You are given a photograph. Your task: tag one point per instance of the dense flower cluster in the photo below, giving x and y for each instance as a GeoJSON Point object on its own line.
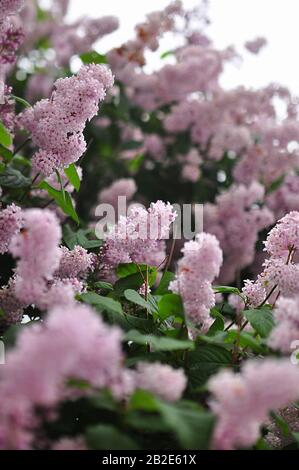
{"type": "Point", "coordinates": [110, 333]}
{"type": "Point", "coordinates": [139, 237]}
{"type": "Point", "coordinates": [236, 220]}
{"type": "Point", "coordinates": [56, 125]}
{"type": "Point", "coordinates": [38, 253]}
{"type": "Point", "coordinates": [72, 344]}
{"type": "Point", "coordinates": [10, 224]}
{"type": "Point", "coordinates": [125, 187]}
{"type": "Point", "coordinates": [161, 379]}
{"type": "Point", "coordinates": [11, 36]}
{"type": "Point", "coordinates": [197, 269]}
{"type": "Point", "coordinates": [286, 331]}
{"type": "Point", "coordinates": [243, 401]}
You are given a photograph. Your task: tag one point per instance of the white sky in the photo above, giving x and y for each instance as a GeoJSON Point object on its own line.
{"type": "Point", "coordinates": [232, 22]}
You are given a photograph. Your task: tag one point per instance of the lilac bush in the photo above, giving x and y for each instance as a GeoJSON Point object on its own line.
{"type": "Point", "coordinates": [119, 333]}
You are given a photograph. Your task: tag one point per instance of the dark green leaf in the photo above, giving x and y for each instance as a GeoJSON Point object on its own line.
{"type": "Point", "coordinates": [261, 320]}
{"type": "Point", "coordinates": [106, 437]}
{"type": "Point", "coordinates": [73, 177]}
{"type": "Point", "coordinates": [166, 278]}
{"type": "Point", "coordinates": [102, 302]}
{"type": "Point", "coordinates": [62, 199]}
{"type": "Point", "coordinates": [192, 427]}
{"type": "Point", "coordinates": [205, 361]}
{"type": "Point", "coordinates": [21, 101]}
{"type": "Point", "coordinates": [281, 423]}
{"type": "Point", "coordinates": [226, 290]}
{"type": "Point", "coordinates": [12, 178]}
{"type": "Point", "coordinates": [103, 285]}
{"type": "Point", "coordinates": [170, 305]}
{"type": "Point", "coordinates": [72, 238]}
{"type": "Point", "coordinates": [158, 343]}
{"type": "Point", "coordinates": [93, 57]}
{"type": "Point", "coordinates": [5, 154]}
{"type": "Point", "coordinates": [5, 136]}
{"type": "Point", "coordinates": [136, 298]}
{"type": "Point", "coordinates": [143, 400]}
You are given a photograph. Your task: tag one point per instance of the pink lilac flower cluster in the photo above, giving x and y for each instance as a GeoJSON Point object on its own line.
{"type": "Point", "coordinates": [73, 343]}
{"type": "Point", "coordinates": [244, 124]}
{"type": "Point", "coordinates": [242, 401]}
{"type": "Point", "coordinates": [280, 274]}
{"type": "Point", "coordinates": [10, 7]}
{"type": "Point", "coordinates": [78, 38]}
{"type": "Point", "coordinates": [285, 198]}
{"type": "Point", "coordinates": [125, 59]}
{"type": "Point", "coordinates": [74, 263]}
{"type": "Point", "coordinates": [236, 220]}
{"type": "Point", "coordinates": [56, 124]}
{"type": "Point", "coordinates": [286, 330]}
{"type": "Point", "coordinates": [139, 238]}
{"type": "Point", "coordinates": [191, 165]}
{"type": "Point", "coordinates": [11, 307]}
{"type": "Point", "coordinates": [161, 379]}
{"type": "Point", "coordinates": [10, 40]}
{"type": "Point", "coordinates": [11, 220]}
{"type": "Point", "coordinates": [11, 37]}
{"type": "Point", "coordinates": [125, 187]}
{"type": "Point", "coordinates": [38, 253]}
{"type": "Point", "coordinates": [197, 269]}
{"type": "Point", "coordinates": [7, 109]}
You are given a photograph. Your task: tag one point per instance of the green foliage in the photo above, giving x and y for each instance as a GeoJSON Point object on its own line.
{"type": "Point", "coordinates": [261, 320]}
{"type": "Point", "coordinates": [62, 199]}
{"type": "Point", "coordinates": [5, 136]}
{"type": "Point", "coordinates": [73, 177]}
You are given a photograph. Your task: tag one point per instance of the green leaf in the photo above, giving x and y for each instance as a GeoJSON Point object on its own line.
{"type": "Point", "coordinates": [128, 322]}
{"type": "Point", "coordinates": [71, 238]}
{"type": "Point", "coordinates": [159, 343]}
{"type": "Point", "coordinates": [275, 184]}
{"type": "Point", "coordinates": [93, 57]}
{"type": "Point", "coordinates": [281, 423]}
{"type": "Point", "coordinates": [143, 400]}
{"type": "Point", "coordinates": [72, 175]}
{"type": "Point", "coordinates": [12, 178]}
{"type": "Point", "coordinates": [246, 340]}
{"type": "Point", "coordinates": [261, 320]}
{"type": "Point", "coordinates": [5, 154]}
{"type": "Point", "coordinates": [217, 326]}
{"type": "Point", "coordinates": [136, 298]}
{"type": "Point", "coordinates": [21, 101]}
{"type": "Point", "coordinates": [62, 199]}
{"type": "Point", "coordinates": [166, 54]}
{"type": "Point", "coordinates": [102, 302]}
{"type": "Point", "coordinates": [131, 145]}
{"type": "Point", "coordinates": [5, 136]}
{"type": "Point", "coordinates": [166, 278]}
{"type": "Point", "coordinates": [226, 290]}
{"type": "Point", "coordinates": [296, 436]}
{"type": "Point", "coordinates": [103, 285]}
{"type": "Point", "coordinates": [170, 305]}
{"type": "Point", "coordinates": [106, 437]}
{"type": "Point", "coordinates": [132, 276]}
{"type": "Point", "coordinates": [205, 361]}
{"type": "Point", "coordinates": [192, 427]}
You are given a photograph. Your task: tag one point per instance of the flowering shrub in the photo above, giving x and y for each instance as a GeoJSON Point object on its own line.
{"type": "Point", "coordinates": [123, 335]}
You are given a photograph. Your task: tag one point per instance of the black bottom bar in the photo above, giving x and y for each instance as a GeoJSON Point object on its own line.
{"type": "Point", "coordinates": [138, 459]}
